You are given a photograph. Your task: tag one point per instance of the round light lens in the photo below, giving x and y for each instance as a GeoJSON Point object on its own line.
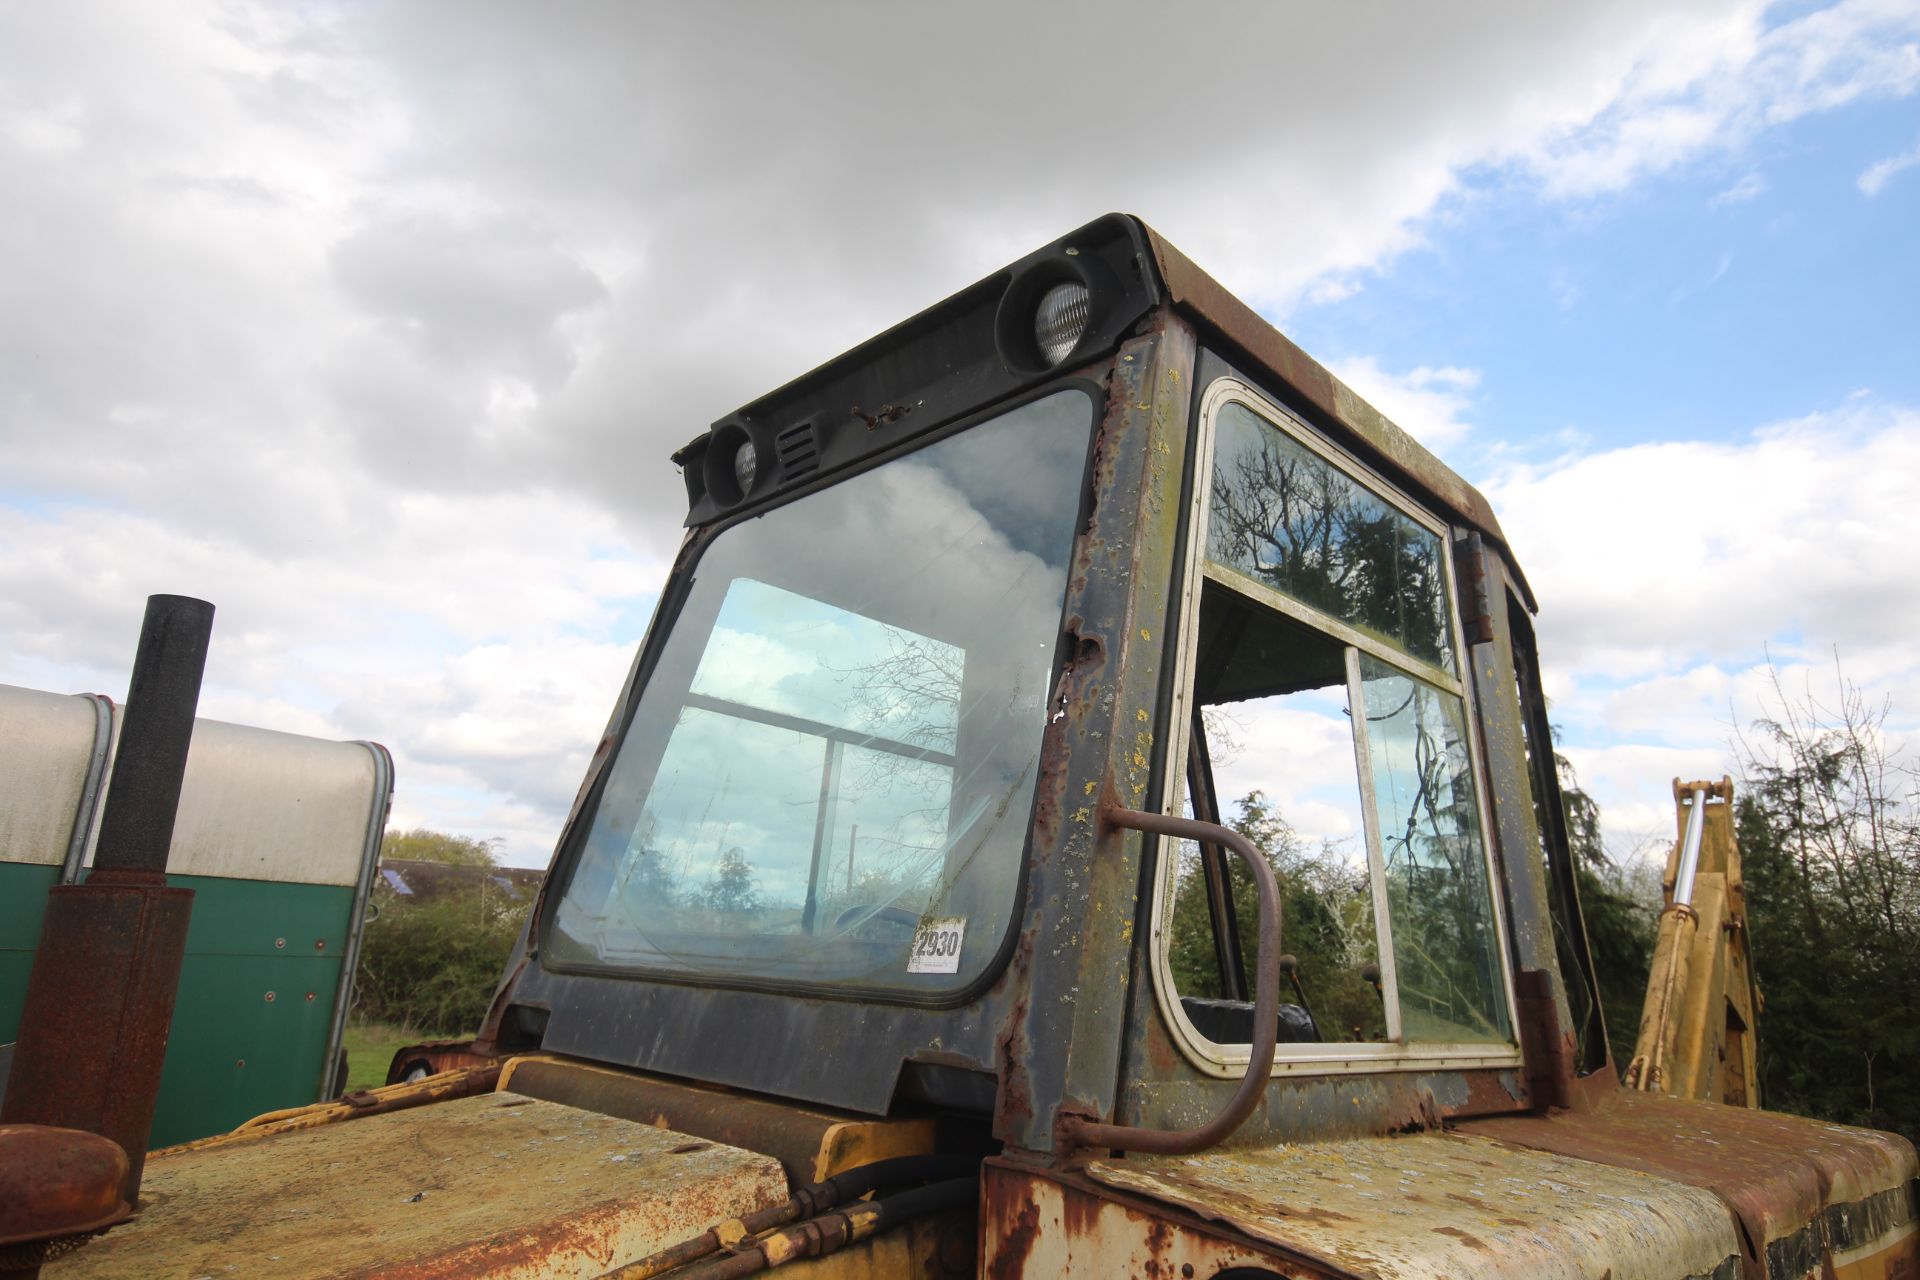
{"type": "Point", "coordinates": [1060, 320]}
{"type": "Point", "coordinates": [746, 465]}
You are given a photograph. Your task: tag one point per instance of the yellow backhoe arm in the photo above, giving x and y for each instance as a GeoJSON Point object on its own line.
{"type": "Point", "coordinates": [1698, 1025]}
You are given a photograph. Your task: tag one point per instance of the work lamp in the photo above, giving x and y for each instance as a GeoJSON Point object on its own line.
{"type": "Point", "coordinates": [1061, 319]}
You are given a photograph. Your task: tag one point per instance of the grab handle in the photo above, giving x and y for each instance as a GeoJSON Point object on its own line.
{"type": "Point", "coordinates": [1080, 1131]}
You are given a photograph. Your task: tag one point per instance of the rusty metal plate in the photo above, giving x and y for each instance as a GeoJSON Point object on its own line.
{"type": "Point", "coordinates": [492, 1186]}
{"type": "Point", "coordinates": [1800, 1187]}
{"type": "Point", "coordinates": [1439, 1205]}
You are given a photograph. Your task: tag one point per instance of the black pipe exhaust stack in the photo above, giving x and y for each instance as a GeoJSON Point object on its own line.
{"type": "Point", "coordinates": [99, 1004]}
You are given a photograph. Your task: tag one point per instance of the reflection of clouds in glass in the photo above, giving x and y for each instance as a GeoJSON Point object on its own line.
{"type": "Point", "coordinates": [921, 555]}
{"type": "Point", "coordinates": [850, 703]}
{"type": "Point", "coordinates": [724, 783]}
{"type": "Point", "coordinates": [727, 783]}
{"type": "Point", "coordinates": [779, 651]}
{"type": "Point", "coordinates": [1023, 503]}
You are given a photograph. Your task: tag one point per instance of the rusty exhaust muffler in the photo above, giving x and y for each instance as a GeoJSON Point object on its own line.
{"type": "Point", "coordinates": [99, 1003]}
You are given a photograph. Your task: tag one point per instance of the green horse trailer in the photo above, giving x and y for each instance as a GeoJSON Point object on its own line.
{"type": "Point", "coordinates": [277, 834]}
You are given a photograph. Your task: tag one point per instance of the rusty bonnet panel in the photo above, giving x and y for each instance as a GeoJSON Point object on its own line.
{"type": "Point", "coordinates": [1044, 1222]}
{"type": "Point", "coordinates": [497, 1186]}
{"type": "Point", "coordinates": [1800, 1188]}
{"type": "Point", "coordinates": [1442, 1205]}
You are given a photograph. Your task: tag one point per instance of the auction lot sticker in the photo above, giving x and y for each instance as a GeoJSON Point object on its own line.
{"type": "Point", "coordinates": [936, 945]}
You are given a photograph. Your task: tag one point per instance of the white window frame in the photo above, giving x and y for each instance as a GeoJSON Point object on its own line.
{"type": "Point", "coordinates": [1229, 1061]}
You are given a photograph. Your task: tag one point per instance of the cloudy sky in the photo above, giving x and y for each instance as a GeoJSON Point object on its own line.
{"type": "Point", "coordinates": [375, 325]}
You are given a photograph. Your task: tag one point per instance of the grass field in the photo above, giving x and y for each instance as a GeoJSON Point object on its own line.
{"type": "Point", "coordinates": [371, 1046]}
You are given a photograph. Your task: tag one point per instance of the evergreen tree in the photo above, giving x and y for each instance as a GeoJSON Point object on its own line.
{"type": "Point", "coordinates": [1621, 924]}
{"type": "Point", "coordinates": [1830, 845]}
{"type": "Point", "coordinates": [733, 886]}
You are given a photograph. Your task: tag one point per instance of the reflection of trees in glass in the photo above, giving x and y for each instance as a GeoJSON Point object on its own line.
{"type": "Point", "coordinates": [1326, 909]}
{"type": "Point", "coordinates": [1438, 897]}
{"type": "Point", "coordinates": [649, 884]}
{"type": "Point", "coordinates": [910, 695]}
{"type": "Point", "coordinates": [733, 885]}
{"type": "Point", "coordinates": [1291, 520]}
{"type": "Point", "coordinates": [912, 692]}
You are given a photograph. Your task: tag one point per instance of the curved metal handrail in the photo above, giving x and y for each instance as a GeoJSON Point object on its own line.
{"type": "Point", "coordinates": [1081, 1131]}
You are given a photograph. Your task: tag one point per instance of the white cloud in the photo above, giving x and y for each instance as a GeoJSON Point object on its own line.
{"type": "Point", "coordinates": [1670, 575]}
{"type": "Point", "coordinates": [1655, 552]}
{"type": "Point", "coordinates": [1712, 82]}
{"type": "Point", "coordinates": [1428, 403]}
{"type": "Point", "coordinates": [482, 640]}
{"type": "Point", "coordinates": [1332, 289]}
{"type": "Point", "coordinates": [1877, 174]}
{"type": "Point", "coordinates": [376, 325]}
{"type": "Point", "coordinates": [1750, 186]}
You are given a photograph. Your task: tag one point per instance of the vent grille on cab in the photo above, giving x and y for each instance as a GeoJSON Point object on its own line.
{"type": "Point", "coordinates": [799, 450]}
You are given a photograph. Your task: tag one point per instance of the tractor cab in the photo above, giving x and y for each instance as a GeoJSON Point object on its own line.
{"type": "Point", "coordinates": [1087, 542]}
{"type": "Point", "coordinates": [1081, 740]}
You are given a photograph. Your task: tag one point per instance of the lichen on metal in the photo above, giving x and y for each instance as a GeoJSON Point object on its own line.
{"type": "Point", "coordinates": [1438, 1205]}
{"type": "Point", "coordinates": [492, 1186]}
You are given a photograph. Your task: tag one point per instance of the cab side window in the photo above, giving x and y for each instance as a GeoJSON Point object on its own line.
{"type": "Point", "coordinates": [1329, 722]}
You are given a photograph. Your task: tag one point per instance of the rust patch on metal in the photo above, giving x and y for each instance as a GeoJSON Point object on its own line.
{"type": "Point", "coordinates": [1046, 1222]}
{"type": "Point", "coordinates": [438, 1056]}
{"type": "Point", "coordinates": [1547, 1053]}
{"type": "Point", "coordinates": [886, 415]}
{"type": "Point", "coordinates": [55, 1184]}
{"type": "Point", "coordinates": [99, 1002]}
{"type": "Point", "coordinates": [1777, 1173]}
{"type": "Point", "coordinates": [1464, 1237]}
{"type": "Point", "coordinates": [1011, 1219]}
{"type": "Point", "coordinates": [1013, 1101]}
{"type": "Point", "coordinates": [1488, 1092]}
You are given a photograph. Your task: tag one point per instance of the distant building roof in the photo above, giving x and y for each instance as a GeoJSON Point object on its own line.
{"type": "Point", "coordinates": [424, 881]}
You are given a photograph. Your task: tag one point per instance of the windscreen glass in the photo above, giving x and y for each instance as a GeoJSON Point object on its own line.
{"type": "Point", "coordinates": [830, 773]}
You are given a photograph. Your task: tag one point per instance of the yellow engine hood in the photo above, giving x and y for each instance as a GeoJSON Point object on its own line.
{"type": "Point", "coordinates": [496, 1185]}
{"type": "Point", "coordinates": [1635, 1188]}
{"type": "Point", "coordinates": [1439, 1206]}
